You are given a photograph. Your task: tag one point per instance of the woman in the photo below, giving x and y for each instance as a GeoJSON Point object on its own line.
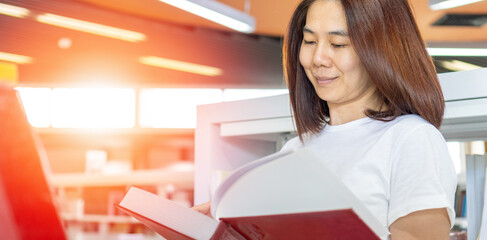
{"type": "Point", "coordinates": [366, 98]}
{"type": "Point", "coordinates": [366, 95]}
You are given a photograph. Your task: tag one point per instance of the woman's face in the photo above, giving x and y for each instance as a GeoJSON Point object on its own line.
{"type": "Point", "coordinates": [329, 60]}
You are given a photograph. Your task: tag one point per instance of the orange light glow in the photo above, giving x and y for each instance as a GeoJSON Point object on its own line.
{"type": "Point", "coordinates": [93, 108]}
{"type": "Point", "coordinates": [37, 105]}
{"type": "Point", "coordinates": [174, 108]}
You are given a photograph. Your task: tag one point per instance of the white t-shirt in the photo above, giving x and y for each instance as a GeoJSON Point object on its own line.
{"type": "Point", "coordinates": [395, 168]}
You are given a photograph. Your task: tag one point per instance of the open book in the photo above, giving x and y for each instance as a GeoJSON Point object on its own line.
{"type": "Point", "coordinates": [282, 196]}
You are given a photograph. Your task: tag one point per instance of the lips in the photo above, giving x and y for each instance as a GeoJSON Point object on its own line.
{"type": "Point", "coordinates": [325, 80]}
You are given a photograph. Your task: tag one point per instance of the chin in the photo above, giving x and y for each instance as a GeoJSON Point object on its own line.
{"type": "Point", "coordinates": [322, 94]}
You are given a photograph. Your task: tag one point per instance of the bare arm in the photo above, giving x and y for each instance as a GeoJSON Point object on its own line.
{"type": "Point", "coordinates": [425, 224]}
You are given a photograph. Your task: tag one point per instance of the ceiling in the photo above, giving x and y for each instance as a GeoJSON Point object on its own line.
{"type": "Point", "coordinates": [247, 60]}
{"type": "Point", "coordinates": [272, 16]}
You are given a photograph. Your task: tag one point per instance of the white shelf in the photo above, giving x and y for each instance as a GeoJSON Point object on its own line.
{"type": "Point", "coordinates": [263, 129]}
{"type": "Point", "coordinates": [181, 179]}
{"type": "Point", "coordinates": [98, 218]}
{"type": "Point", "coordinates": [115, 131]}
{"type": "Point", "coordinates": [74, 229]}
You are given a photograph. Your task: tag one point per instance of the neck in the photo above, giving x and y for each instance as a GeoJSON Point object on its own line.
{"type": "Point", "coordinates": [346, 112]}
{"type": "Point", "coordinates": [342, 116]}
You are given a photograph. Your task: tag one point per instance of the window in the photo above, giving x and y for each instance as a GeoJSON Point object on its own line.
{"type": "Point", "coordinates": [93, 108]}
{"type": "Point", "coordinates": [37, 105]}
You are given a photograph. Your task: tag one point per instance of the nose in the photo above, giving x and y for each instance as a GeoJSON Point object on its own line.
{"type": "Point", "coordinates": [322, 56]}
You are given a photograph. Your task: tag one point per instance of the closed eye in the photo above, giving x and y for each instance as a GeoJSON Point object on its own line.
{"type": "Point", "coordinates": [309, 42]}
{"type": "Point", "coordinates": [338, 45]}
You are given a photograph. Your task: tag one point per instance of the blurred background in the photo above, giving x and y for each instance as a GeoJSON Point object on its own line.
{"type": "Point", "coordinates": [112, 87]}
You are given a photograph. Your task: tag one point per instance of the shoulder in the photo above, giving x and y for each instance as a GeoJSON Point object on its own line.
{"type": "Point", "coordinates": [411, 122]}
{"type": "Point", "coordinates": [412, 130]}
{"type": "Point", "coordinates": [412, 126]}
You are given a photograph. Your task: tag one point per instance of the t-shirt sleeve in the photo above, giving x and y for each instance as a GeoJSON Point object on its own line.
{"type": "Point", "coordinates": [422, 174]}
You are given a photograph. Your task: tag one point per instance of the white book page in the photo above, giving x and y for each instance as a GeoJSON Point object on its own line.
{"type": "Point", "coordinates": [237, 174]}
{"type": "Point", "coordinates": [169, 213]}
{"type": "Point", "coordinates": [297, 182]}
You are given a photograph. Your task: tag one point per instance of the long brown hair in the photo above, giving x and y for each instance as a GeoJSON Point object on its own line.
{"type": "Point", "coordinates": [387, 40]}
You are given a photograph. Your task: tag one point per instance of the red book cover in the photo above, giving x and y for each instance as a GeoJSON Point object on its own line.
{"type": "Point", "coordinates": [334, 224]}
{"type": "Point", "coordinates": [177, 222]}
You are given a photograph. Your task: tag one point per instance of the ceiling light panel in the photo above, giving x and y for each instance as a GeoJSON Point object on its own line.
{"type": "Point", "coordinates": [467, 52]}
{"type": "Point", "coordinates": [89, 27]}
{"type": "Point", "coordinates": [181, 66]}
{"type": "Point", "coordinates": [446, 4]}
{"type": "Point", "coordinates": [456, 65]}
{"type": "Point", "coordinates": [13, 11]}
{"type": "Point", "coordinates": [217, 12]}
{"type": "Point", "coordinates": [10, 57]}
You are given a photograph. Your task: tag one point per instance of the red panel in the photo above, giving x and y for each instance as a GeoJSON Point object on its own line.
{"type": "Point", "coordinates": [26, 192]}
